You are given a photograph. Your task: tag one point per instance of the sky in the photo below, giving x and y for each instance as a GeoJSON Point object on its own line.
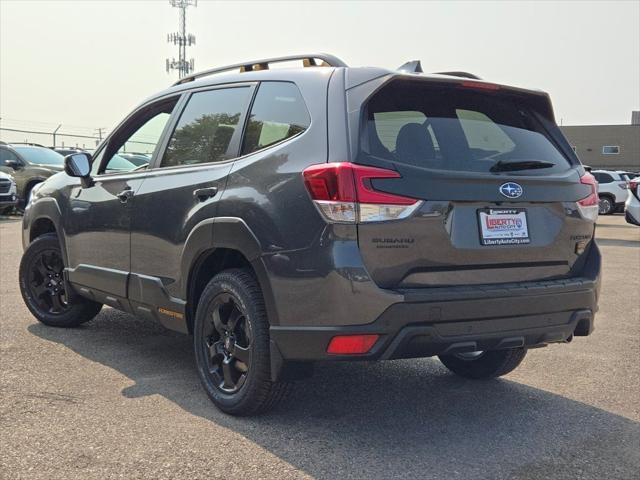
{"type": "Point", "coordinates": [86, 64]}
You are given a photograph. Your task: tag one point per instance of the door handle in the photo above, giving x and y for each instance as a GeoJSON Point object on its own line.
{"type": "Point", "coordinates": [203, 193]}
{"type": "Point", "coordinates": [125, 195]}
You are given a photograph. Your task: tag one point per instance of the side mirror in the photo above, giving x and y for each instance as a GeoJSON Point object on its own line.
{"type": "Point", "coordinates": [12, 163]}
{"type": "Point", "coordinates": [79, 165]}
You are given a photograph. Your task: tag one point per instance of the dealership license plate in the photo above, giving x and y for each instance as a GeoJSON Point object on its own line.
{"type": "Point", "coordinates": [503, 226]}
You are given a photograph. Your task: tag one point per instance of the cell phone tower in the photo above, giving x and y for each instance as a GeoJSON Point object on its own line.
{"type": "Point", "coordinates": [182, 40]}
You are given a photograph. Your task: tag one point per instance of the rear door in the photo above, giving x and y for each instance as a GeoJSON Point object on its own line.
{"type": "Point", "coordinates": [497, 185]}
{"type": "Point", "coordinates": [182, 190]}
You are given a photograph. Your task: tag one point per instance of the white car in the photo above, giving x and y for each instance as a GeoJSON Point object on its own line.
{"type": "Point", "coordinates": [612, 190]}
{"type": "Point", "coordinates": [8, 194]}
{"type": "Point", "coordinates": [632, 205]}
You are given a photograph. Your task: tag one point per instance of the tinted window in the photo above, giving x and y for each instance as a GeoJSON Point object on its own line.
{"type": "Point", "coordinates": [206, 127]}
{"type": "Point", "coordinates": [278, 113]}
{"type": "Point", "coordinates": [450, 128]}
{"type": "Point", "coordinates": [140, 136]}
{"type": "Point", "coordinates": [7, 155]}
{"type": "Point", "coordinates": [39, 155]}
{"type": "Point", "coordinates": [603, 177]}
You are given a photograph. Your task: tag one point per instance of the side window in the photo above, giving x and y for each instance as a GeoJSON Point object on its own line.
{"type": "Point", "coordinates": [207, 126]}
{"type": "Point", "coordinates": [278, 113]}
{"type": "Point", "coordinates": [132, 147]}
{"type": "Point", "coordinates": [6, 154]}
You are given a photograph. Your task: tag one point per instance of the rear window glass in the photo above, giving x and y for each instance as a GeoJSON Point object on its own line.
{"type": "Point", "coordinates": [603, 177]}
{"type": "Point", "coordinates": [450, 128]}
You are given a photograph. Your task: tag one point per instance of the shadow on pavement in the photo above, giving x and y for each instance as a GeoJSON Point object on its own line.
{"type": "Point", "coordinates": [408, 418]}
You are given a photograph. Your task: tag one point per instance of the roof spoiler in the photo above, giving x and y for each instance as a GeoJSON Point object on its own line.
{"type": "Point", "coordinates": [414, 66]}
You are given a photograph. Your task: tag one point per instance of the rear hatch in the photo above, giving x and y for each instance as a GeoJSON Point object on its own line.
{"type": "Point", "coordinates": [496, 182]}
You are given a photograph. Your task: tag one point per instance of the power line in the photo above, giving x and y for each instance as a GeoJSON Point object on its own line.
{"type": "Point", "coordinates": [182, 40]}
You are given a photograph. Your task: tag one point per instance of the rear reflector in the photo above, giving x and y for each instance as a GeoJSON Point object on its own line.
{"type": "Point", "coordinates": [343, 193]}
{"type": "Point", "coordinates": [351, 344]}
{"type": "Point", "coordinates": [588, 206]}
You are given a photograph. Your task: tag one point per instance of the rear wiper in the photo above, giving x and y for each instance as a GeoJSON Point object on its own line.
{"type": "Point", "coordinates": [506, 166]}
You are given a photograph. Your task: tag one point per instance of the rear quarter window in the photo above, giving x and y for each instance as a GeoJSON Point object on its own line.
{"type": "Point", "coordinates": [278, 113]}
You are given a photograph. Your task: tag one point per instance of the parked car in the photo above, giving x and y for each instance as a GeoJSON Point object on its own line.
{"type": "Point", "coordinates": [29, 165]}
{"type": "Point", "coordinates": [612, 190]}
{"type": "Point", "coordinates": [632, 205]}
{"type": "Point", "coordinates": [325, 213]}
{"type": "Point", "coordinates": [138, 159]}
{"type": "Point", "coordinates": [67, 151]}
{"type": "Point", "coordinates": [8, 195]}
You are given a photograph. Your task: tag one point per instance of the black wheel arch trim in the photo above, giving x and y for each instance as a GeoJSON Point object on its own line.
{"type": "Point", "coordinates": [232, 233]}
{"type": "Point", "coordinates": [46, 208]}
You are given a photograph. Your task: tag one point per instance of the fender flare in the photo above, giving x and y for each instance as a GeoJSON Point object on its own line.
{"type": "Point", "coordinates": [45, 208]}
{"type": "Point", "coordinates": [232, 233]}
{"type": "Point", "coordinates": [30, 183]}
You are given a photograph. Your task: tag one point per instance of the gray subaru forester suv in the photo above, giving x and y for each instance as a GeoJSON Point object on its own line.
{"type": "Point", "coordinates": [293, 215]}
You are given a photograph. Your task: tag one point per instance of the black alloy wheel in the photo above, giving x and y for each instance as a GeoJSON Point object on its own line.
{"type": "Point", "coordinates": [227, 341]}
{"type": "Point", "coordinates": [46, 282]}
{"type": "Point", "coordinates": [232, 346]}
{"type": "Point", "coordinates": [44, 289]}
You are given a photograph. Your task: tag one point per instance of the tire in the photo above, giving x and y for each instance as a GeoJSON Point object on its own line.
{"type": "Point", "coordinates": [490, 364]}
{"type": "Point", "coordinates": [231, 344]}
{"type": "Point", "coordinates": [43, 288]}
{"type": "Point", "coordinates": [606, 205]}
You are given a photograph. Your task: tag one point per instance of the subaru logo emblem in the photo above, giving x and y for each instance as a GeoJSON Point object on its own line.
{"type": "Point", "coordinates": [511, 190]}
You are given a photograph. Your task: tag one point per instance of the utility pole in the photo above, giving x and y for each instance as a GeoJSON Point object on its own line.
{"type": "Point", "coordinates": [54, 135]}
{"type": "Point", "coordinates": [99, 132]}
{"type": "Point", "coordinates": [182, 40]}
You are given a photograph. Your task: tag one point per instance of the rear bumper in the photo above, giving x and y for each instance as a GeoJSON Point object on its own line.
{"type": "Point", "coordinates": [460, 319]}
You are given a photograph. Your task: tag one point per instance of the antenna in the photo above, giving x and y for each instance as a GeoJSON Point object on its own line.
{"type": "Point", "coordinates": [182, 40]}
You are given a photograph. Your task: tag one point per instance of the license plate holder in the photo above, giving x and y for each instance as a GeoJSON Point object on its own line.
{"type": "Point", "coordinates": [503, 226]}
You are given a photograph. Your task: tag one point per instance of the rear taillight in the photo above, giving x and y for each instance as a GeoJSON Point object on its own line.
{"type": "Point", "coordinates": [633, 186]}
{"type": "Point", "coordinates": [588, 206]}
{"type": "Point", "coordinates": [343, 193]}
{"type": "Point", "coordinates": [623, 185]}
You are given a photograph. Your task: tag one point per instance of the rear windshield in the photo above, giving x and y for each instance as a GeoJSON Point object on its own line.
{"type": "Point", "coordinates": [453, 128]}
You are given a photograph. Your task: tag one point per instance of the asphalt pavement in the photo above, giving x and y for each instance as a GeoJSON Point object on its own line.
{"type": "Point", "coordinates": [120, 398]}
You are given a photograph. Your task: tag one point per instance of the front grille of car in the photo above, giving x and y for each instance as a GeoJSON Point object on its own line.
{"type": "Point", "coordinates": [5, 185]}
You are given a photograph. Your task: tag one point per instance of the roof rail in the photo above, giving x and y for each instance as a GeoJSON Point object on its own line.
{"type": "Point", "coordinates": [460, 74]}
{"type": "Point", "coordinates": [30, 144]}
{"type": "Point", "coordinates": [308, 60]}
